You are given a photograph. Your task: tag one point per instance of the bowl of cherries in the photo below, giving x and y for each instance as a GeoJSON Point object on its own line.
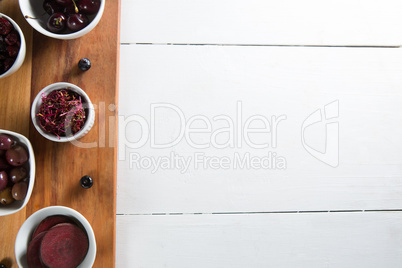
{"type": "Point", "coordinates": [12, 46]}
{"type": "Point", "coordinates": [62, 19]}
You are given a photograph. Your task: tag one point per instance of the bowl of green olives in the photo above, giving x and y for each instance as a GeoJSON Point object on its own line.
{"type": "Point", "coordinates": [17, 172]}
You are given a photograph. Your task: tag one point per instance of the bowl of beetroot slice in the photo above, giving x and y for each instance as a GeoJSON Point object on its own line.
{"type": "Point", "coordinates": [55, 236]}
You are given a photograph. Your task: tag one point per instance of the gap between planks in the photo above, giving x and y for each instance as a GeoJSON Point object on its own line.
{"type": "Point", "coordinates": [262, 212]}
{"type": "Point", "coordinates": [256, 45]}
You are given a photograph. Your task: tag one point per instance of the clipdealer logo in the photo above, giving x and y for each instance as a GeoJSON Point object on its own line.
{"type": "Point", "coordinates": [329, 118]}
{"type": "Point", "coordinates": [199, 132]}
{"type": "Point", "coordinates": [167, 128]}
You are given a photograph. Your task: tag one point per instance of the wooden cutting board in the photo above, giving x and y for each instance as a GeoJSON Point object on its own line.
{"type": "Point", "coordinates": [59, 166]}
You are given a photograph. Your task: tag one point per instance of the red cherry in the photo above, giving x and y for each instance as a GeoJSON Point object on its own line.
{"type": "Point", "coordinates": [51, 6]}
{"type": "Point", "coordinates": [57, 22]}
{"type": "Point", "coordinates": [64, 3]}
{"type": "Point", "coordinates": [77, 21]}
{"type": "Point", "coordinates": [89, 7]}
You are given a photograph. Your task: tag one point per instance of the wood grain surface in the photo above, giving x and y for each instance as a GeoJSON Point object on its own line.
{"type": "Point", "coordinates": [59, 166]}
{"type": "Point", "coordinates": [15, 116]}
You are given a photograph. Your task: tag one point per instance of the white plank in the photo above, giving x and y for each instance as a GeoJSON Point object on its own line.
{"type": "Point", "coordinates": [210, 80]}
{"type": "Point", "coordinates": [287, 22]}
{"type": "Point", "coordinates": [260, 240]}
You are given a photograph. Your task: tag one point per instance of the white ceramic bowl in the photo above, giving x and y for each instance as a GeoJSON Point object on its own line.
{"type": "Point", "coordinates": [21, 54]}
{"type": "Point", "coordinates": [28, 227]}
{"type": "Point", "coordinates": [18, 205]}
{"type": "Point", "coordinates": [36, 16]}
{"type": "Point", "coordinates": [85, 99]}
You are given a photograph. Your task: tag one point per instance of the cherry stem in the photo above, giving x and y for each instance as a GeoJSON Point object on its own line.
{"type": "Point", "coordinates": [58, 21]}
{"type": "Point", "coordinates": [75, 7]}
{"type": "Point", "coordinates": [29, 17]}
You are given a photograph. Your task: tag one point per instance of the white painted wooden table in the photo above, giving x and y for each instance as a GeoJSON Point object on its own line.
{"type": "Point", "coordinates": [260, 134]}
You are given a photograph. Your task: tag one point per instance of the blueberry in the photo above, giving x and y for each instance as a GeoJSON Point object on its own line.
{"type": "Point", "coordinates": [86, 182]}
{"type": "Point", "coordinates": [84, 64]}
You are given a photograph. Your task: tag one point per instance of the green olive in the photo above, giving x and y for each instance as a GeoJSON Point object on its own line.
{"type": "Point", "coordinates": [6, 196]}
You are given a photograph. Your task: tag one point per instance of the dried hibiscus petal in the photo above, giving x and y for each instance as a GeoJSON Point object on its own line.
{"type": "Point", "coordinates": [13, 51]}
{"type": "Point", "coordinates": [61, 112]}
{"type": "Point", "coordinates": [8, 62]}
{"type": "Point", "coordinates": [12, 38]}
{"type": "Point", "coordinates": [3, 47]}
{"type": "Point", "coordinates": [5, 26]}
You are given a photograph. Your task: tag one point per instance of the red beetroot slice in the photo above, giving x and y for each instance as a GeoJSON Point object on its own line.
{"type": "Point", "coordinates": [49, 222]}
{"type": "Point", "coordinates": [33, 254]}
{"type": "Point", "coordinates": [64, 246]}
